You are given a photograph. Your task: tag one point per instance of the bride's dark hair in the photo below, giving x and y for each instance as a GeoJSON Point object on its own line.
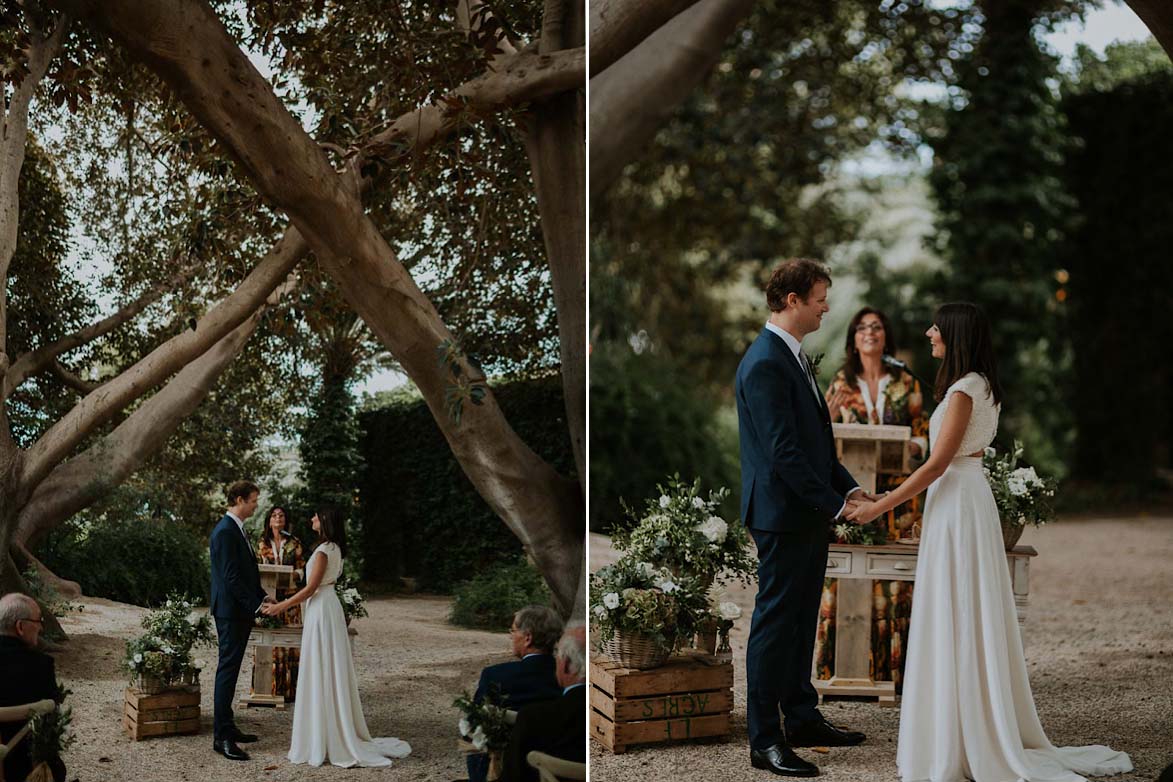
{"type": "Point", "coordinates": [969, 347]}
{"type": "Point", "coordinates": [332, 527]}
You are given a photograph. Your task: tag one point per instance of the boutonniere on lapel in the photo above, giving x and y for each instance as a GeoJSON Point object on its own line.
{"type": "Point", "coordinates": [815, 360]}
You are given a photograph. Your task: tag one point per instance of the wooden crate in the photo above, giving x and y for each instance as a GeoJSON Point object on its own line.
{"type": "Point", "coordinates": [689, 697]}
{"type": "Point", "coordinates": [170, 713]}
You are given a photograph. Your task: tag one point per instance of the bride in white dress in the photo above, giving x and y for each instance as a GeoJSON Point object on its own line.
{"type": "Point", "coordinates": [328, 722]}
{"type": "Point", "coordinates": [967, 711]}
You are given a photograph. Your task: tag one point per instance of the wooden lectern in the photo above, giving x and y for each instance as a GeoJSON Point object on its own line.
{"type": "Point", "coordinates": [866, 451]}
{"type": "Point", "coordinates": [263, 639]}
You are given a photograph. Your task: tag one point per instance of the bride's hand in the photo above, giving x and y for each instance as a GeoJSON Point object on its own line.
{"type": "Point", "coordinates": [863, 513]}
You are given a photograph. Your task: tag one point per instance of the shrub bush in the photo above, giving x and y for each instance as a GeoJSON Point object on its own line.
{"type": "Point", "coordinates": [421, 516]}
{"type": "Point", "coordinates": [130, 561]}
{"type": "Point", "coordinates": [490, 600]}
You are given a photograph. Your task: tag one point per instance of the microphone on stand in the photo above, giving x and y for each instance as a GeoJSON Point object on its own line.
{"type": "Point", "coordinates": [895, 362]}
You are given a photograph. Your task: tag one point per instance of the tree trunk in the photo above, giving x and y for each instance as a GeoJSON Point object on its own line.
{"type": "Point", "coordinates": [617, 26]}
{"type": "Point", "coordinates": [189, 48]}
{"type": "Point", "coordinates": [1157, 15]}
{"type": "Point", "coordinates": [556, 145]}
{"type": "Point", "coordinates": [633, 98]}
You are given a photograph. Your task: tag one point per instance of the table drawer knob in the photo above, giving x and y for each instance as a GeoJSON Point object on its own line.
{"type": "Point", "coordinates": [901, 566]}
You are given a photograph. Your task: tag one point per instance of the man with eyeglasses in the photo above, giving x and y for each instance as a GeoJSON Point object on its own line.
{"type": "Point", "coordinates": [28, 676]}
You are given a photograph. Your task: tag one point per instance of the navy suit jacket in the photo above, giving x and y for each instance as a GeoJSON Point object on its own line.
{"type": "Point", "coordinates": [521, 681]}
{"type": "Point", "coordinates": [791, 478]}
{"type": "Point", "coordinates": [236, 582]}
{"type": "Point", "coordinates": [28, 676]}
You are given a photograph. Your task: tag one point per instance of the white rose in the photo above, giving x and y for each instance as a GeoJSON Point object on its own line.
{"type": "Point", "coordinates": [990, 452]}
{"type": "Point", "coordinates": [698, 503]}
{"type": "Point", "coordinates": [667, 586]}
{"type": "Point", "coordinates": [600, 610]}
{"type": "Point", "coordinates": [611, 600]}
{"type": "Point", "coordinates": [715, 529]}
{"type": "Point", "coordinates": [729, 611]}
{"type": "Point", "coordinates": [479, 739]}
{"type": "Point", "coordinates": [664, 501]}
{"type": "Point", "coordinates": [645, 569]}
{"type": "Point", "coordinates": [1016, 485]}
{"type": "Point", "coordinates": [464, 726]}
{"type": "Point", "coordinates": [138, 658]}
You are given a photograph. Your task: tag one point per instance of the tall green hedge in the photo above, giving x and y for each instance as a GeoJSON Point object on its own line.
{"type": "Point", "coordinates": [422, 518]}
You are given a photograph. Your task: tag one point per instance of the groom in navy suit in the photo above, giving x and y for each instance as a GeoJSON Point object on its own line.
{"type": "Point", "coordinates": [236, 598]}
{"type": "Point", "coordinates": [792, 487]}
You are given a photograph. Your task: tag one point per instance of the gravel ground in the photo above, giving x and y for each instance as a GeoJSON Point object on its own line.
{"type": "Point", "coordinates": [411, 664]}
{"type": "Point", "coordinates": [1099, 647]}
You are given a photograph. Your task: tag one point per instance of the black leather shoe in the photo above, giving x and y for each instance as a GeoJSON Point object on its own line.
{"type": "Point", "coordinates": [782, 761]}
{"type": "Point", "coordinates": [228, 749]}
{"type": "Point", "coordinates": [821, 733]}
{"type": "Point", "coordinates": [244, 738]}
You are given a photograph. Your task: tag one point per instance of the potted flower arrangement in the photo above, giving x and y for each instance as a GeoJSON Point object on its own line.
{"type": "Point", "coordinates": [1022, 495]}
{"type": "Point", "coordinates": [486, 726]}
{"type": "Point", "coordinates": [684, 532]}
{"type": "Point", "coordinates": [161, 657]}
{"type": "Point", "coordinates": [640, 611]}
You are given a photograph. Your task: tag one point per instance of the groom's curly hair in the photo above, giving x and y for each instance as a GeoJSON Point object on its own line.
{"type": "Point", "coordinates": [797, 275]}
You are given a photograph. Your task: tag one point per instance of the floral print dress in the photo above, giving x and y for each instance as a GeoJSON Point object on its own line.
{"type": "Point", "coordinates": [285, 659]}
{"type": "Point", "coordinates": [899, 403]}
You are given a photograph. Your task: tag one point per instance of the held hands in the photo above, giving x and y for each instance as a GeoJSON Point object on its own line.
{"type": "Point", "coordinates": [269, 608]}
{"type": "Point", "coordinates": [862, 512]}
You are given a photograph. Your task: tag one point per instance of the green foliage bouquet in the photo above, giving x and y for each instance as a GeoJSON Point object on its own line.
{"type": "Point", "coordinates": [353, 604]}
{"type": "Point", "coordinates": [484, 724]}
{"type": "Point", "coordinates": [50, 734]}
{"type": "Point", "coordinates": [682, 531]}
{"type": "Point", "coordinates": [1022, 495]}
{"type": "Point", "coordinates": [636, 597]}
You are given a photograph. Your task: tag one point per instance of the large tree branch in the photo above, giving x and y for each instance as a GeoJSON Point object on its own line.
{"type": "Point", "coordinates": [1157, 15]}
{"type": "Point", "coordinates": [556, 146]}
{"type": "Point", "coordinates": [43, 357]}
{"type": "Point", "coordinates": [636, 95]}
{"type": "Point", "coordinates": [617, 26]}
{"type": "Point", "coordinates": [86, 478]}
{"type": "Point", "coordinates": [99, 406]}
{"type": "Point", "coordinates": [184, 42]}
{"type": "Point", "coordinates": [13, 137]}
{"type": "Point", "coordinates": [524, 77]}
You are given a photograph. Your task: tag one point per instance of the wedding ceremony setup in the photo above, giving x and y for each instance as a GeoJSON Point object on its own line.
{"type": "Point", "coordinates": [861, 275]}
{"type": "Point", "coordinates": [292, 351]}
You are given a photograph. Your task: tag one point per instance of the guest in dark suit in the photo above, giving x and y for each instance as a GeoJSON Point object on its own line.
{"type": "Point", "coordinates": [792, 486]}
{"type": "Point", "coordinates": [556, 727]}
{"type": "Point", "coordinates": [236, 597]}
{"type": "Point", "coordinates": [28, 677]}
{"type": "Point", "coordinates": [531, 677]}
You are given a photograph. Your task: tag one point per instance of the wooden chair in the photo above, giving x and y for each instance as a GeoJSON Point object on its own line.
{"type": "Point", "coordinates": [24, 713]}
{"type": "Point", "coordinates": [552, 769]}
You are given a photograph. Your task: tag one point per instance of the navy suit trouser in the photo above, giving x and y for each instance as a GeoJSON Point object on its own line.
{"type": "Point", "coordinates": [233, 638]}
{"type": "Point", "coordinates": [791, 570]}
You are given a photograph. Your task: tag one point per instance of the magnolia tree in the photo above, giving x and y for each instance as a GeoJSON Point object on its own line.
{"type": "Point", "coordinates": [335, 203]}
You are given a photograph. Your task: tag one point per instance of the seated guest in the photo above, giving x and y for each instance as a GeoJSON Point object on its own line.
{"type": "Point", "coordinates": [28, 676]}
{"type": "Point", "coordinates": [529, 678]}
{"type": "Point", "coordinates": [556, 727]}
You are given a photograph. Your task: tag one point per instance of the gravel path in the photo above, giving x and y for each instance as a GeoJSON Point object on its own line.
{"type": "Point", "coordinates": [411, 664]}
{"type": "Point", "coordinates": [1099, 647]}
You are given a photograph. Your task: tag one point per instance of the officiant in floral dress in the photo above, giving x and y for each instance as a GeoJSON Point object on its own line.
{"type": "Point", "coordinates": [866, 391]}
{"type": "Point", "coordinates": [278, 546]}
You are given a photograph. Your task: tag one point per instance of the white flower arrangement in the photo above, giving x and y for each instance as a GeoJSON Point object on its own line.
{"type": "Point", "coordinates": [729, 611]}
{"type": "Point", "coordinates": [1021, 494]}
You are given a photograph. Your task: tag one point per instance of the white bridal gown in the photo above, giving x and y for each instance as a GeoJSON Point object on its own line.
{"type": "Point", "coordinates": [967, 710]}
{"type": "Point", "coordinates": [328, 722]}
